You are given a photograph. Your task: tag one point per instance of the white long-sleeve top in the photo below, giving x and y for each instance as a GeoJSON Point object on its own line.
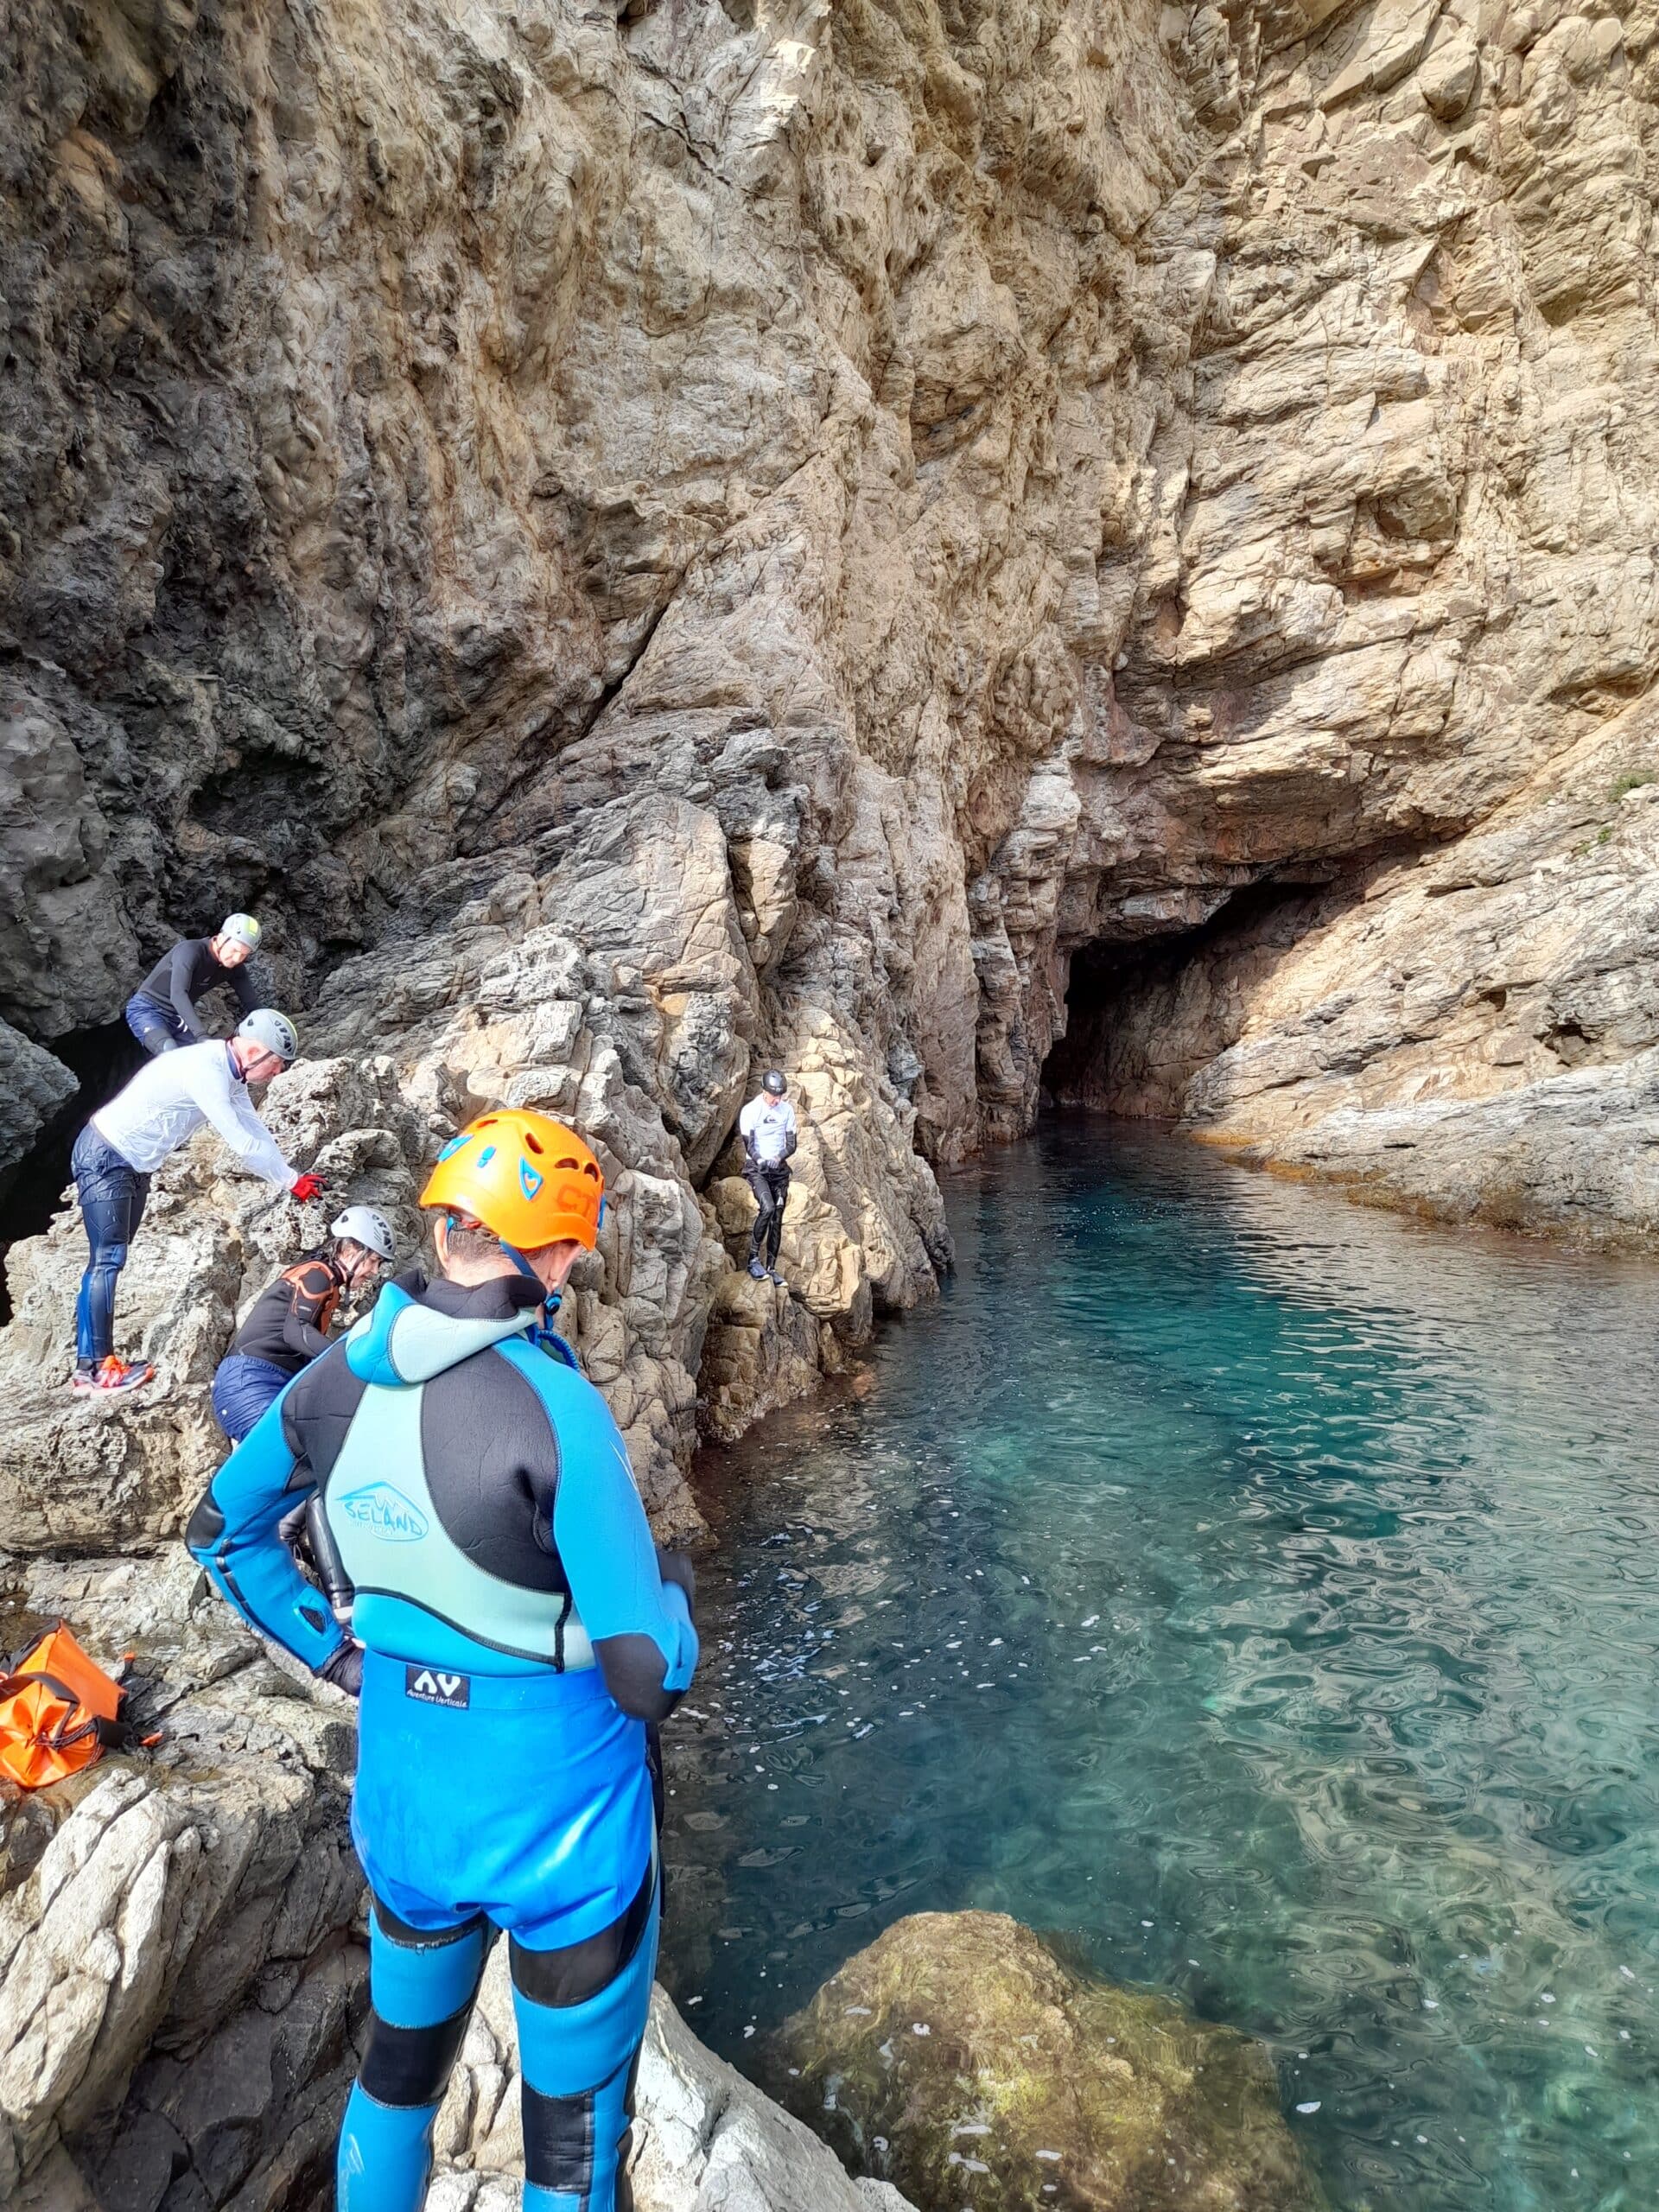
{"type": "Point", "coordinates": [170, 1098]}
{"type": "Point", "coordinates": [766, 1124]}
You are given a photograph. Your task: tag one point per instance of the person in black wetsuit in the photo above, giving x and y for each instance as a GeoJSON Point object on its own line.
{"type": "Point", "coordinates": [162, 1011]}
{"type": "Point", "coordinates": [288, 1323]}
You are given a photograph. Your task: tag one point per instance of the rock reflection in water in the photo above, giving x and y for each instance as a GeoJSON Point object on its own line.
{"type": "Point", "coordinates": [1263, 1592]}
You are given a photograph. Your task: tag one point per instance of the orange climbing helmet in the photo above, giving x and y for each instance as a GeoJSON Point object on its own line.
{"type": "Point", "coordinates": [527, 1179]}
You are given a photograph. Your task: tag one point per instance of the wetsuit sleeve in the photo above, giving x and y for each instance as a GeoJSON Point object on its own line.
{"type": "Point", "coordinates": [225, 1105]}
{"type": "Point", "coordinates": [248, 993]}
{"type": "Point", "coordinates": [179, 975]}
{"type": "Point", "coordinates": [232, 1534]}
{"type": "Point", "coordinates": [639, 1625]}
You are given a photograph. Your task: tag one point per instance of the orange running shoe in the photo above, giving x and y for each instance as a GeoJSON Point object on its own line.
{"type": "Point", "coordinates": [113, 1374]}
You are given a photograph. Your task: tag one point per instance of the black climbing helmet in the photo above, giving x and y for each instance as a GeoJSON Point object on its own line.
{"type": "Point", "coordinates": [773, 1084]}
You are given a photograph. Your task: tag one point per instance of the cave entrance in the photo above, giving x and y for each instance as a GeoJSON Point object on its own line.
{"type": "Point", "coordinates": [1144, 1017]}
{"type": "Point", "coordinates": [101, 1061]}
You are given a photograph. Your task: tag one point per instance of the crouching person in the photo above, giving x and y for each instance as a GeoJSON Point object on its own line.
{"type": "Point", "coordinates": [514, 1638]}
{"type": "Point", "coordinates": [288, 1323]}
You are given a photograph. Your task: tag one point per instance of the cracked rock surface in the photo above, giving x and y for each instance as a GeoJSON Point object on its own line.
{"type": "Point", "coordinates": [649, 542]}
{"type": "Point", "coordinates": [983, 487]}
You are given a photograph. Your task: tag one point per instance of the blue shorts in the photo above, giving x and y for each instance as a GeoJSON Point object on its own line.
{"type": "Point", "coordinates": [157, 1029]}
{"type": "Point", "coordinates": [243, 1387]}
{"type": "Point", "coordinates": [529, 1802]}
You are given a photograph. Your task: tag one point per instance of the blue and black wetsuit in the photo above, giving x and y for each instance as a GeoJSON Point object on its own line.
{"type": "Point", "coordinates": [520, 1632]}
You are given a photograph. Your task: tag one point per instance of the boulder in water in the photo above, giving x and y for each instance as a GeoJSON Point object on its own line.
{"type": "Point", "coordinates": [958, 2057]}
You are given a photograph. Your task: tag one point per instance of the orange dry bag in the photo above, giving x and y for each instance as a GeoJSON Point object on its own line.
{"type": "Point", "coordinates": [58, 1712]}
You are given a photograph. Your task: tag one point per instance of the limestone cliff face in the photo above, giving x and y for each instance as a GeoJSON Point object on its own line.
{"type": "Point", "coordinates": [651, 544]}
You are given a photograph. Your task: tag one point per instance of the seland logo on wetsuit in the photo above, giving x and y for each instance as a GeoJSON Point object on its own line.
{"type": "Point", "coordinates": [386, 1513]}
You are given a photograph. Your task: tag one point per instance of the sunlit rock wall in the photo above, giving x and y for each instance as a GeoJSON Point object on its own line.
{"type": "Point", "coordinates": [650, 545]}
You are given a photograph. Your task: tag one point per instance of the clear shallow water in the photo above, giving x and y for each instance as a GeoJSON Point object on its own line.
{"type": "Point", "coordinates": [1262, 1591]}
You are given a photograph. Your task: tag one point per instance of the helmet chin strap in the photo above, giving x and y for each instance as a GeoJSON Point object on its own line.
{"type": "Point", "coordinates": [551, 1300]}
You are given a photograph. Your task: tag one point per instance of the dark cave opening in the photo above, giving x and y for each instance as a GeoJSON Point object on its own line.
{"type": "Point", "coordinates": [1122, 994]}
{"type": "Point", "coordinates": [101, 1059]}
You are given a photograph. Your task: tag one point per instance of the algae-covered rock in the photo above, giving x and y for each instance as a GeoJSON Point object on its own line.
{"type": "Point", "coordinates": [959, 2058]}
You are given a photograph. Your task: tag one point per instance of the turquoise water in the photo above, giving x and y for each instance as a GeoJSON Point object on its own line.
{"type": "Point", "coordinates": [1264, 1591]}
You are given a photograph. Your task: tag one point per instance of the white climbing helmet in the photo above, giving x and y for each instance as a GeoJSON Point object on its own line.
{"type": "Point", "coordinates": [367, 1226]}
{"type": "Point", "coordinates": [272, 1029]}
{"type": "Point", "coordinates": [243, 929]}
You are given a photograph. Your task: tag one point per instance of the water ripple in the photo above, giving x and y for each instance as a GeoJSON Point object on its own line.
{"type": "Point", "coordinates": [1264, 1594]}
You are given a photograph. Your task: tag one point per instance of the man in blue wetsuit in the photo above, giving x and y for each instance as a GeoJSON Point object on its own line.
{"type": "Point", "coordinates": [517, 1635]}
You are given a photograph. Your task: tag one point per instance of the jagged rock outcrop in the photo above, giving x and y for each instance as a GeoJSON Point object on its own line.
{"type": "Point", "coordinates": [1014, 480]}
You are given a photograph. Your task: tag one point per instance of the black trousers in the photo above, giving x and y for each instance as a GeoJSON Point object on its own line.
{"type": "Point", "coordinates": [770, 1183]}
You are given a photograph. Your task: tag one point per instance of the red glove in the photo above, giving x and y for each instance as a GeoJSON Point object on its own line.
{"type": "Point", "coordinates": [309, 1186]}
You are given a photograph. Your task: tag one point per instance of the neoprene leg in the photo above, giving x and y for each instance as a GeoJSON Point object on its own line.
{"type": "Point", "coordinates": [95, 1307]}
{"type": "Point", "coordinates": [778, 1189]}
{"type": "Point", "coordinates": [756, 1179]}
{"type": "Point", "coordinates": [421, 1988]}
{"type": "Point", "coordinates": [579, 2059]}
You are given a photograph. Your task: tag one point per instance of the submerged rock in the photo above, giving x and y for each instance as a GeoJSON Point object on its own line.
{"type": "Point", "coordinates": [957, 2056]}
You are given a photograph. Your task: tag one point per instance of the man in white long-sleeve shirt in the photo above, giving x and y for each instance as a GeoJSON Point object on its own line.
{"type": "Point", "coordinates": [766, 1126]}
{"type": "Point", "coordinates": [125, 1142]}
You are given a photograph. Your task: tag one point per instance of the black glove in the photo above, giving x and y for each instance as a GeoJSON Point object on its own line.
{"type": "Point", "coordinates": [676, 1568]}
{"type": "Point", "coordinates": [345, 1670]}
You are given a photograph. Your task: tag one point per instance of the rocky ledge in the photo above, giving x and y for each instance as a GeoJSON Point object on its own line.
{"type": "Point", "coordinates": [183, 1961]}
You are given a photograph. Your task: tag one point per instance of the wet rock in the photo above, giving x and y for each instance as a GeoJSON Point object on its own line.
{"type": "Point", "coordinates": [708, 2139]}
{"type": "Point", "coordinates": [959, 2056]}
{"type": "Point", "coordinates": [705, 2139]}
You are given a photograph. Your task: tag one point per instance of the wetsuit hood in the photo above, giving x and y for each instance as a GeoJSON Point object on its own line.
{"type": "Point", "coordinates": [415, 1334]}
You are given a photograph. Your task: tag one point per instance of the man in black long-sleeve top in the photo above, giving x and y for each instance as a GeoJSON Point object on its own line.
{"type": "Point", "coordinates": [162, 1011]}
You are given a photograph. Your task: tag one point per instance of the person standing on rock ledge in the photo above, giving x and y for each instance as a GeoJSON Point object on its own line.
{"type": "Point", "coordinates": [519, 1638]}
{"type": "Point", "coordinates": [766, 1126]}
{"type": "Point", "coordinates": [288, 1323]}
{"type": "Point", "coordinates": [126, 1142]}
{"type": "Point", "coordinates": [162, 1011]}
